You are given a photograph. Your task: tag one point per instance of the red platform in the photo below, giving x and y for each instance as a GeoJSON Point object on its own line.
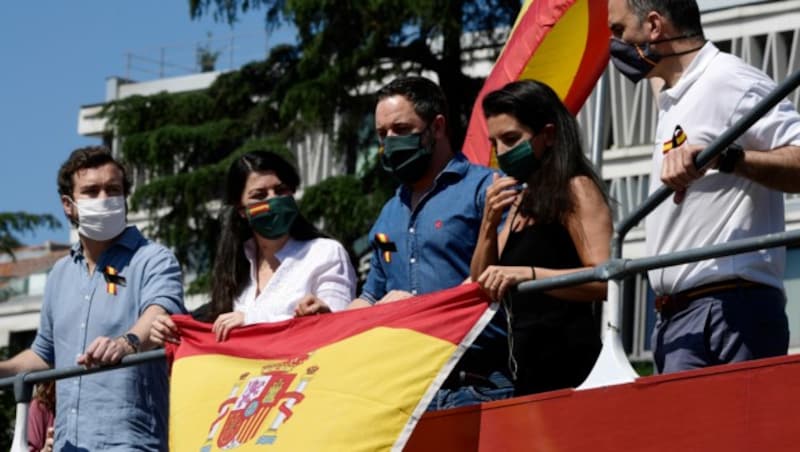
{"type": "Point", "coordinates": [750, 406]}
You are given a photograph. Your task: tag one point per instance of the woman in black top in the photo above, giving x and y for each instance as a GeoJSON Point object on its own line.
{"type": "Point", "coordinates": [559, 221]}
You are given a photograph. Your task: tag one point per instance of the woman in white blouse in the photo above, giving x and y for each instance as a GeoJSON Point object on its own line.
{"type": "Point", "coordinates": [271, 263]}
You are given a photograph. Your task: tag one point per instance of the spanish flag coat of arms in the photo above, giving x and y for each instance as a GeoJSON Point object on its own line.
{"type": "Point", "coordinates": [348, 381]}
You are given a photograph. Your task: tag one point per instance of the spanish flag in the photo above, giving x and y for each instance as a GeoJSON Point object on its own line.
{"type": "Point", "coordinates": [348, 381]}
{"type": "Point", "coordinates": [563, 43]}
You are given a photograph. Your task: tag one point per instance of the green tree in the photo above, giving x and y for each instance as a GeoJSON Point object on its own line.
{"type": "Point", "coordinates": [181, 145]}
{"type": "Point", "coordinates": [14, 223]}
{"type": "Point", "coordinates": [346, 46]}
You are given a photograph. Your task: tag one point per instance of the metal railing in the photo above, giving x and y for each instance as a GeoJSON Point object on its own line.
{"type": "Point", "coordinates": [612, 366]}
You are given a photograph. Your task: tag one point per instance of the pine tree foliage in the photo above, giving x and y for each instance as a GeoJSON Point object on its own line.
{"type": "Point", "coordinates": [14, 223]}
{"type": "Point", "coordinates": [349, 46]}
{"type": "Point", "coordinates": [346, 205]}
{"type": "Point", "coordinates": [180, 146]}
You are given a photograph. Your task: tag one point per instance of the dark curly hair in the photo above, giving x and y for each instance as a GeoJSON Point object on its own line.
{"type": "Point", "coordinates": [87, 157]}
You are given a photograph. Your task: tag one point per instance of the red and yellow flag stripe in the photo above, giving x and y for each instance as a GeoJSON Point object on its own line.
{"type": "Point", "coordinates": [563, 43]}
{"type": "Point", "coordinates": [257, 208]}
{"type": "Point", "coordinates": [352, 380]}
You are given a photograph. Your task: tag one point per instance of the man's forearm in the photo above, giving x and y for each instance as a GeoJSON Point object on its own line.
{"type": "Point", "coordinates": [26, 361]}
{"type": "Point", "coordinates": [142, 326]}
{"type": "Point", "coordinates": [778, 169]}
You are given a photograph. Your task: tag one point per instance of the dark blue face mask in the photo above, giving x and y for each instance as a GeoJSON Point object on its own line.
{"type": "Point", "coordinates": [635, 61]}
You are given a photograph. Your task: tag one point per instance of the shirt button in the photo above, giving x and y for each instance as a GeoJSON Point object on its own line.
{"type": "Point", "coordinates": [86, 298]}
{"type": "Point", "coordinates": [411, 230]}
{"type": "Point", "coordinates": [412, 260]}
{"type": "Point", "coordinates": [74, 410]}
{"type": "Point", "coordinates": [414, 292]}
{"type": "Point", "coordinates": [83, 325]}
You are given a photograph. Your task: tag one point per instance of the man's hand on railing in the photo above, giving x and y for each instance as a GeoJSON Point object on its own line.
{"type": "Point", "coordinates": [104, 351]}
{"type": "Point", "coordinates": [678, 171]}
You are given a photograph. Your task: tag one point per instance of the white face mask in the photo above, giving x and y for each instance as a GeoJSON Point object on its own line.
{"type": "Point", "coordinates": [101, 219]}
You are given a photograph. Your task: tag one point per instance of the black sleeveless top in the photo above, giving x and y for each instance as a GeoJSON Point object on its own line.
{"type": "Point", "coordinates": [555, 341]}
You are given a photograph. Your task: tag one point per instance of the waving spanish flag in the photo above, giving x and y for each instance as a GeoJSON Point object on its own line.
{"type": "Point", "coordinates": [563, 43]}
{"type": "Point", "coordinates": [349, 381]}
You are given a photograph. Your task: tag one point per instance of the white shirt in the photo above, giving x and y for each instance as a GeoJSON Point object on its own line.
{"type": "Point", "coordinates": [716, 90]}
{"type": "Point", "coordinates": [320, 267]}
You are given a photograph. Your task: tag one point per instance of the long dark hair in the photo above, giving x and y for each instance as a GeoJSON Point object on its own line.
{"type": "Point", "coordinates": [549, 198]}
{"type": "Point", "coordinates": [231, 270]}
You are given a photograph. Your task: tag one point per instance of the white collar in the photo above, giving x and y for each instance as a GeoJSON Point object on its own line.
{"type": "Point", "coordinates": [250, 251]}
{"type": "Point", "coordinates": [693, 72]}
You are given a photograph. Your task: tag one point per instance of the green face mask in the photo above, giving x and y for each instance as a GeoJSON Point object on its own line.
{"type": "Point", "coordinates": [405, 157]}
{"type": "Point", "coordinates": [519, 162]}
{"type": "Point", "coordinates": [272, 218]}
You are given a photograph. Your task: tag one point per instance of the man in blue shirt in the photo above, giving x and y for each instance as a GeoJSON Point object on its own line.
{"type": "Point", "coordinates": [98, 305]}
{"type": "Point", "coordinates": [425, 235]}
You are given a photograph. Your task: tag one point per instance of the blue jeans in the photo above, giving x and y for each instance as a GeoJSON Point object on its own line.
{"type": "Point", "coordinates": [730, 326]}
{"type": "Point", "coordinates": [497, 387]}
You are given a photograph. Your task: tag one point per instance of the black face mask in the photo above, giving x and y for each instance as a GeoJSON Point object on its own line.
{"type": "Point", "coordinates": [635, 61]}
{"type": "Point", "coordinates": [405, 157]}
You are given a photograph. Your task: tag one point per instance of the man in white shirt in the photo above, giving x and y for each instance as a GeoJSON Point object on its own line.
{"type": "Point", "coordinates": [731, 308]}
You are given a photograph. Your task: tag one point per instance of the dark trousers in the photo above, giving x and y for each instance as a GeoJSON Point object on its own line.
{"type": "Point", "coordinates": [730, 326]}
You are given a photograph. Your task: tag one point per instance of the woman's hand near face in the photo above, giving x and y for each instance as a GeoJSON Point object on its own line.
{"type": "Point", "coordinates": [163, 329]}
{"type": "Point", "coordinates": [499, 197]}
{"type": "Point", "coordinates": [225, 323]}
{"type": "Point", "coordinates": [310, 305]}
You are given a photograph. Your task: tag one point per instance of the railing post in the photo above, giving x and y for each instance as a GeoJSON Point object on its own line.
{"type": "Point", "coordinates": [22, 395]}
{"type": "Point", "coordinates": [612, 366]}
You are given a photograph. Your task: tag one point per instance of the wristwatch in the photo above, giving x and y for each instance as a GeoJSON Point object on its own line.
{"type": "Point", "coordinates": [132, 340]}
{"type": "Point", "coordinates": [729, 158]}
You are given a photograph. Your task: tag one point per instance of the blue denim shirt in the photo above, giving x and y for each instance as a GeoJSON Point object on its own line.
{"type": "Point", "coordinates": [430, 249]}
{"type": "Point", "coordinates": [124, 409]}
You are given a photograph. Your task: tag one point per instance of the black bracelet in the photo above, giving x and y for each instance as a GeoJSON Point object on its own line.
{"type": "Point", "coordinates": [729, 158]}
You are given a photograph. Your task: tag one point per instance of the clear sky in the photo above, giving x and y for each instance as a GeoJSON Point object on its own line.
{"type": "Point", "coordinates": [56, 56]}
